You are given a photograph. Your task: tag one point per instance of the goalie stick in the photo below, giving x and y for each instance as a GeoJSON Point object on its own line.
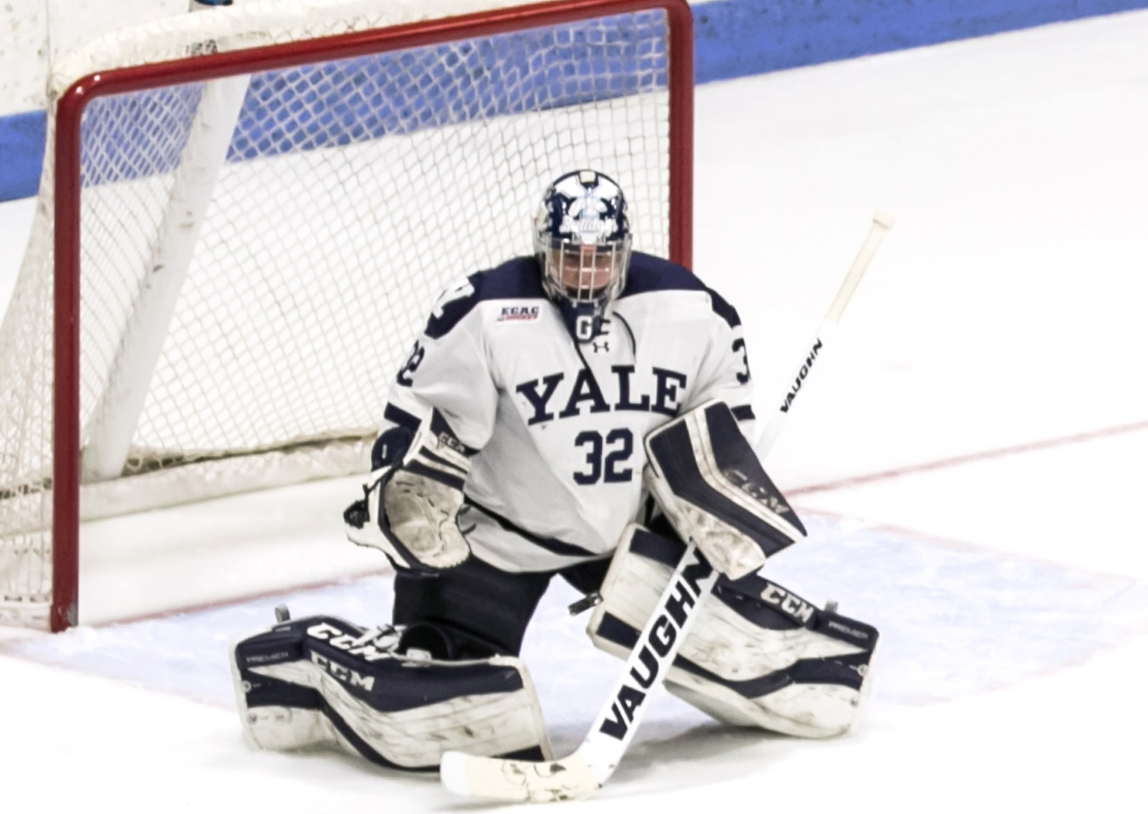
{"type": "Point", "coordinates": [590, 766]}
{"type": "Point", "coordinates": [882, 223]}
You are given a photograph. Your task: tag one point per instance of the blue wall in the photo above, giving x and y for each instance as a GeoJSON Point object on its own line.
{"type": "Point", "coordinates": [21, 153]}
{"type": "Point", "coordinates": [745, 37]}
{"type": "Point", "coordinates": [736, 38]}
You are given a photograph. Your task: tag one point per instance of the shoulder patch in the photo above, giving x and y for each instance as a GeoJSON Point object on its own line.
{"type": "Point", "coordinates": [515, 279]}
{"type": "Point", "coordinates": [519, 313]}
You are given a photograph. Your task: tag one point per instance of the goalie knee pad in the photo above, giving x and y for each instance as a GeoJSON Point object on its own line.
{"type": "Point", "coordinates": [757, 654]}
{"type": "Point", "coordinates": [323, 681]}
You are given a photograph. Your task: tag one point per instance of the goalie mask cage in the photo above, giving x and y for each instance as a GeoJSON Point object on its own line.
{"type": "Point", "coordinates": [246, 213]}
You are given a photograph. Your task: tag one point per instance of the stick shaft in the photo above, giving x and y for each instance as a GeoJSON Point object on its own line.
{"type": "Point", "coordinates": [881, 225]}
{"type": "Point", "coordinates": [601, 750]}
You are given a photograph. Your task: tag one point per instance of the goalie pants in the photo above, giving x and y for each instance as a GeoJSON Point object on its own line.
{"type": "Point", "coordinates": [475, 610]}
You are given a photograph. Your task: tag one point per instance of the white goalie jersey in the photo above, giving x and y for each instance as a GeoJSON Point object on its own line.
{"type": "Point", "coordinates": [559, 425]}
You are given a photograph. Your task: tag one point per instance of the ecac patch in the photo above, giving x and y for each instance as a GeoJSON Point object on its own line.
{"type": "Point", "coordinates": [518, 313]}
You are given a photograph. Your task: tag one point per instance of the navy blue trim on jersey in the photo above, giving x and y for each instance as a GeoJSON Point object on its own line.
{"type": "Point", "coordinates": [723, 309]}
{"type": "Point", "coordinates": [648, 273]}
{"type": "Point", "coordinates": [548, 543]}
{"type": "Point", "coordinates": [517, 279]}
{"type": "Point", "coordinates": [743, 413]}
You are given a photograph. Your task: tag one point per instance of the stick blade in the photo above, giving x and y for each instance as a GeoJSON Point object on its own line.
{"type": "Point", "coordinates": [517, 781]}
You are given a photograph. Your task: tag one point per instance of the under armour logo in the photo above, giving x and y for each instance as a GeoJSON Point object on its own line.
{"type": "Point", "coordinates": [605, 346]}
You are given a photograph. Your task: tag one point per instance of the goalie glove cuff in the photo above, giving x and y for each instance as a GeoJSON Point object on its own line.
{"type": "Point", "coordinates": [436, 453]}
{"type": "Point", "coordinates": [390, 447]}
{"type": "Point", "coordinates": [410, 511]}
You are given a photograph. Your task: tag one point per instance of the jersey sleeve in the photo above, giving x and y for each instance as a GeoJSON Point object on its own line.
{"type": "Point", "coordinates": [448, 368]}
{"type": "Point", "coordinates": [724, 369]}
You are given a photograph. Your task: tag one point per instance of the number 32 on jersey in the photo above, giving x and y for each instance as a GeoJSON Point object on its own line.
{"type": "Point", "coordinates": [606, 458]}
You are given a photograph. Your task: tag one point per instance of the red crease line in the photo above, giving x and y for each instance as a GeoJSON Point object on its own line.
{"type": "Point", "coordinates": [960, 460]}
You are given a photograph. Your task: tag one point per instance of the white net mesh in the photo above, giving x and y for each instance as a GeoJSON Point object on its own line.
{"type": "Point", "coordinates": [353, 192]}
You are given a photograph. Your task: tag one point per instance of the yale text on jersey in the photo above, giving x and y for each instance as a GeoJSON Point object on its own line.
{"type": "Point", "coordinates": [556, 396]}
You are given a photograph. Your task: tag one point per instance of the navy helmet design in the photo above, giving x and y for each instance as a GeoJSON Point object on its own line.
{"type": "Point", "coordinates": [582, 240]}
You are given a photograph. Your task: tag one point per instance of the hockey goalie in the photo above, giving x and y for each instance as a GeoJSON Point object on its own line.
{"type": "Point", "coordinates": [580, 412]}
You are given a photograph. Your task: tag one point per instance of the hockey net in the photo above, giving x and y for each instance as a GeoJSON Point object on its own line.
{"type": "Point", "coordinates": [248, 212]}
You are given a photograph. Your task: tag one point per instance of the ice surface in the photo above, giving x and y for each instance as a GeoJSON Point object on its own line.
{"type": "Point", "coordinates": [1011, 591]}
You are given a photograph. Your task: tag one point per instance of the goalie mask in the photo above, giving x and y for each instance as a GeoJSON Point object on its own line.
{"type": "Point", "coordinates": [582, 239]}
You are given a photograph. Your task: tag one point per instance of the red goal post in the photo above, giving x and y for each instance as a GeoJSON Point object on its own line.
{"type": "Point", "coordinates": [662, 180]}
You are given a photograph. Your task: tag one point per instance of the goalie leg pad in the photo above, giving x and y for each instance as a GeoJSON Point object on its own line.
{"type": "Point", "coordinates": [323, 681]}
{"type": "Point", "coordinates": [757, 655]}
{"type": "Point", "coordinates": [707, 479]}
